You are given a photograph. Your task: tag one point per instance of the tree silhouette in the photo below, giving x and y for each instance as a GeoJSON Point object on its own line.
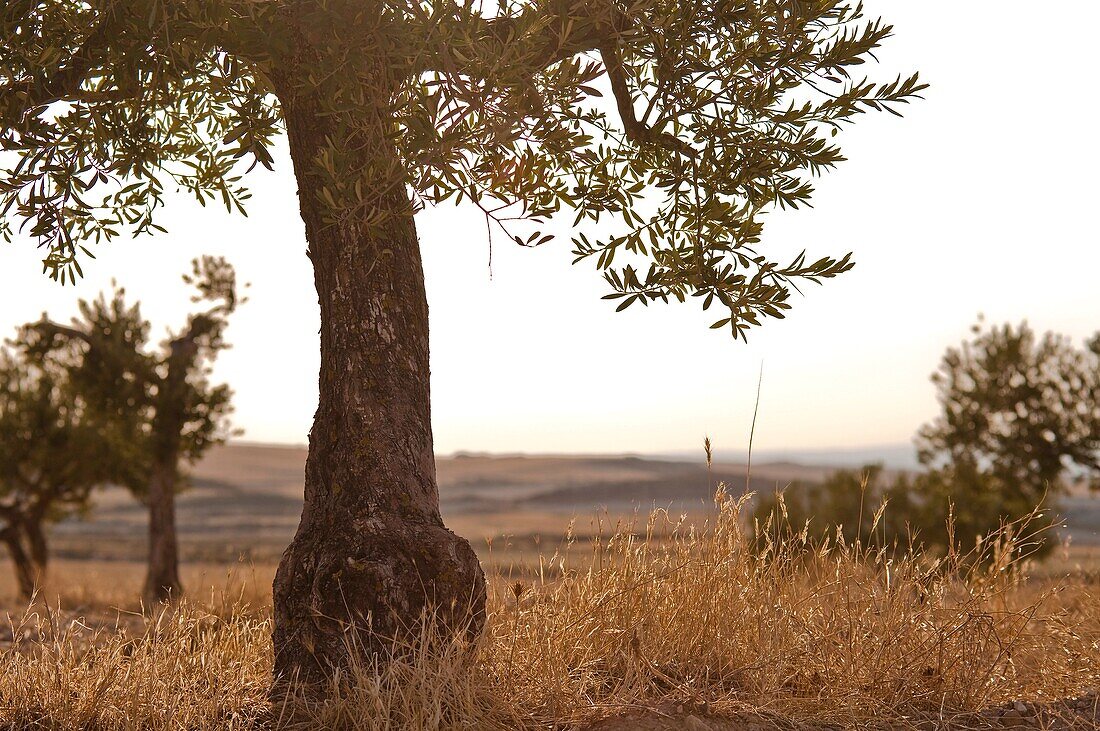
{"type": "Point", "coordinates": [160, 404]}
{"type": "Point", "coordinates": [667, 127]}
{"type": "Point", "coordinates": [1019, 412]}
{"type": "Point", "coordinates": [52, 456]}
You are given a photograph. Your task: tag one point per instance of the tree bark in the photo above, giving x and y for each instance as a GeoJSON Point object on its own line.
{"type": "Point", "coordinates": [162, 578]}
{"type": "Point", "coordinates": [38, 549]}
{"type": "Point", "coordinates": [371, 551]}
{"type": "Point", "coordinates": [26, 579]}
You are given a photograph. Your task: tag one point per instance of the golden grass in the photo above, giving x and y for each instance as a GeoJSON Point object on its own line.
{"type": "Point", "coordinates": [662, 616]}
{"type": "Point", "coordinates": [99, 586]}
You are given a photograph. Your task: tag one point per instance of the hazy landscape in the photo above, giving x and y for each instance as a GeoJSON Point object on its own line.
{"type": "Point", "coordinates": [245, 500]}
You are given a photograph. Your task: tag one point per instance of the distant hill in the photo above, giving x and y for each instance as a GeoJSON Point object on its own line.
{"type": "Point", "coordinates": [894, 456]}
{"type": "Point", "coordinates": [245, 499]}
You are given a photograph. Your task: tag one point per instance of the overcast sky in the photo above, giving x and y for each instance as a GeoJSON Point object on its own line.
{"type": "Point", "coordinates": [981, 200]}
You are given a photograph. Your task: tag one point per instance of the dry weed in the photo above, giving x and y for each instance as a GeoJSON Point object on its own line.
{"type": "Point", "coordinates": [704, 619]}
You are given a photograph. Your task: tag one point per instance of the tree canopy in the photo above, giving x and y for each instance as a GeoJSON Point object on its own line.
{"type": "Point", "coordinates": [1023, 407]}
{"type": "Point", "coordinates": [121, 374]}
{"type": "Point", "coordinates": [712, 112]}
{"type": "Point", "coordinates": [1020, 413]}
{"type": "Point", "coordinates": [53, 454]}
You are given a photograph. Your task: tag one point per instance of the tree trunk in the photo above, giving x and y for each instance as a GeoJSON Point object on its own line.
{"type": "Point", "coordinates": [38, 549]}
{"type": "Point", "coordinates": [162, 578]}
{"type": "Point", "coordinates": [371, 551]}
{"type": "Point", "coordinates": [25, 575]}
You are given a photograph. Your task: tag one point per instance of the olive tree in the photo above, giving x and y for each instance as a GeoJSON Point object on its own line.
{"type": "Point", "coordinates": [163, 413]}
{"type": "Point", "coordinates": [1020, 412]}
{"type": "Point", "coordinates": [52, 456]}
{"type": "Point", "coordinates": [1021, 409]}
{"type": "Point", "coordinates": [668, 128]}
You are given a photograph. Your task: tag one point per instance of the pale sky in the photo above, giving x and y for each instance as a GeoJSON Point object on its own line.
{"type": "Point", "coordinates": [980, 200]}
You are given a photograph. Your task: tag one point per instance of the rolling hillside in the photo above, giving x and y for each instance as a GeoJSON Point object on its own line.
{"type": "Point", "coordinates": [245, 500]}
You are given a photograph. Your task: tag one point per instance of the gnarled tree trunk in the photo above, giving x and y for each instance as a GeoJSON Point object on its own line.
{"type": "Point", "coordinates": [371, 549]}
{"type": "Point", "coordinates": [38, 548]}
{"type": "Point", "coordinates": [29, 573]}
{"type": "Point", "coordinates": [162, 580]}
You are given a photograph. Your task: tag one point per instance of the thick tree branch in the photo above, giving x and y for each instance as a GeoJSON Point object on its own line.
{"type": "Point", "coordinates": [636, 131]}
{"type": "Point", "coordinates": [108, 38]}
{"type": "Point", "coordinates": [187, 345]}
{"type": "Point", "coordinates": [577, 26]}
{"type": "Point", "coordinates": [12, 514]}
{"type": "Point", "coordinates": [49, 327]}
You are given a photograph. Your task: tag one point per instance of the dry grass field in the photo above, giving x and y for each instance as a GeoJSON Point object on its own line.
{"type": "Point", "coordinates": [660, 622]}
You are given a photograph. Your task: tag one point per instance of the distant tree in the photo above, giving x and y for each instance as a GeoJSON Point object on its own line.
{"type": "Point", "coordinates": [1021, 410]}
{"type": "Point", "coordinates": [1020, 413]}
{"type": "Point", "coordinates": [52, 456]}
{"type": "Point", "coordinates": [954, 506]}
{"type": "Point", "coordinates": [849, 500]}
{"type": "Point", "coordinates": [160, 403]}
{"type": "Point", "coordinates": [725, 110]}
{"type": "Point", "coordinates": [959, 506]}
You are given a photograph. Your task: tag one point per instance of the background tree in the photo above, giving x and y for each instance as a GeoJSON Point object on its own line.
{"type": "Point", "coordinates": [948, 508]}
{"type": "Point", "coordinates": [847, 499]}
{"type": "Point", "coordinates": [961, 505]}
{"type": "Point", "coordinates": [160, 403]}
{"type": "Point", "coordinates": [717, 112]}
{"type": "Point", "coordinates": [52, 456]}
{"type": "Point", "coordinates": [1021, 414]}
{"type": "Point", "coordinates": [1020, 408]}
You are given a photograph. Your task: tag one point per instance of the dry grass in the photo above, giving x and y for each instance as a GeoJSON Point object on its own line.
{"type": "Point", "coordinates": [665, 616]}
{"type": "Point", "coordinates": [105, 586]}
